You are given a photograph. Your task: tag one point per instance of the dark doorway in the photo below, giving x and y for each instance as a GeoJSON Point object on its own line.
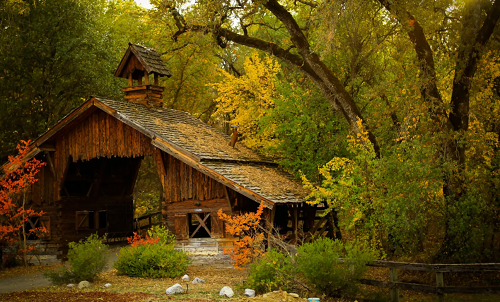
{"type": "Point", "coordinates": [199, 225]}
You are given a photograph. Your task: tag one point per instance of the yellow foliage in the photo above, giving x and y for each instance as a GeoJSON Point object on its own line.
{"type": "Point", "coordinates": [247, 98]}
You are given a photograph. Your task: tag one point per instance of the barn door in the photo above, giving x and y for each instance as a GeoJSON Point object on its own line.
{"type": "Point", "coordinates": [82, 220]}
{"type": "Point", "coordinates": [202, 220]}
{"type": "Point", "coordinates": [217, 226]}
{"type": "Point", "coordinates": [181, 225]}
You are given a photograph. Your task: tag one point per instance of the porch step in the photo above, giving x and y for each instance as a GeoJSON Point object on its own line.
{"type": "Point", "coordinates": [203, 246]}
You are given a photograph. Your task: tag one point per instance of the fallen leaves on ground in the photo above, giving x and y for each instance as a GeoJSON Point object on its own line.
{"type": "Point", "coordinates": [86, 296]}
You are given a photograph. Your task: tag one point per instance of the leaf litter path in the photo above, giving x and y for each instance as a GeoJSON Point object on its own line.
{"type": "Point", "coordinates": [28, 284]}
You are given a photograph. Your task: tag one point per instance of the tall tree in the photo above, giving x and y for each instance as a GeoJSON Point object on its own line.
{"type": "Point", "coordinates": [457, 36]}
{"type": "Point", "coordinates": [54, 55]}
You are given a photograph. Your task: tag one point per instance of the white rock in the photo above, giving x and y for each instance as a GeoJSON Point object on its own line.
{"type": "Point", "coordinates": [293, 295]}
{"type": "Point", "coordinates": [83, 284]}
{"type": "Point", "coordinates": [185, 278]}
{"type": "Point", "coordinates": [226, 291]}
{"type": "Point", "coordinates": [175, 289]}
{"type": "Point", "coordinates": [198, 281]}
{"type": "Point", "coordinates": [249, 292]}
{"type": "Point", "coordinates": [70, 285]}
{"type": "Point", "coordinates": [107, 285]}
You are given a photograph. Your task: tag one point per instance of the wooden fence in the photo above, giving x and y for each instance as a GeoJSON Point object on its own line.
{"type": "Point", "coordinates": [439, 269]}
{"type": "Point", "coordinates": [147, 221]}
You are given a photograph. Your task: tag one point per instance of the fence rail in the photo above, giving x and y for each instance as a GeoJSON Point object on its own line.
{"type": "Point", "coordinates": [439, 289]}
{"type": "Point", "coordinates": [139, 225]}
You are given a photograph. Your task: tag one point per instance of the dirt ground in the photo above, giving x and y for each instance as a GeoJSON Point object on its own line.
{"type": "Point", "coordinates": [125, 288]}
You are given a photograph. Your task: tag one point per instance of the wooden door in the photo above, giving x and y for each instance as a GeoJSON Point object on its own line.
{"type": "Point", "coordinates": [181, 225]}
{"type": "Point", "coordinates": [217, 225]}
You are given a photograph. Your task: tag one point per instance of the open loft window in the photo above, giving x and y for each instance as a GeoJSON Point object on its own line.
{"type": "Point", "coordinates": [38, 228]}
{"type": "Point", "coordinates": [111, 177]}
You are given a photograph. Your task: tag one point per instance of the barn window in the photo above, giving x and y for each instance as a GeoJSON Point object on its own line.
{"type": "Point", "coordinates": [82, 220]}
{"type": "Point", "coordinates": [34, 226]}
{"type": "Point", "coordinates": [91, 220]}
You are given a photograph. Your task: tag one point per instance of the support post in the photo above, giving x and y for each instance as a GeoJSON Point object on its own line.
{"type": "Point", "coordinates": [440, 283]}
{"type": "Point", "coordinates": [270, 226]}
{"type": "Point", "coordinates": [394, 278]}
{"type": "Point", "coordinates": [146, 77]}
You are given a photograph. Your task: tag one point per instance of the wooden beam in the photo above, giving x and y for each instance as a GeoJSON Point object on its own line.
{"type": "Point", "coordinates": [47, 147]}
{"type": "Point", "coordinates": [146, 78]}
{"type": "Point", "coordinates": [226, 195]}
{"type": "Point", "coordinates": [160, 167]}
{"type": "Point", "coordinates": [270, 223]}
{"type": "Point", "coordinates": [130, 80]}
{"type": "Point", "coordinates": [156, 79]}
{"type": "Point", "coordinates": [51, 165]}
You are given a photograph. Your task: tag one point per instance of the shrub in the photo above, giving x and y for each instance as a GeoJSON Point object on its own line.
{"type": "Point", "coordinates": [273, 271]}
{"type": "Point", "coordinates": [153, 256]}
{"type": "Point", "coordinates": [86, 258]}
{"type": "Point", "coordinates": [319, 263]}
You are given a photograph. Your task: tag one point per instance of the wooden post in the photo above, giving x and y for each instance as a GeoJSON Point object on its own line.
{"type": "Point", "coordinates": [394, 278]}
{"type": "Point", "coordinates": [156, 79]}
{"type": "Point", "coordinates": [440, 283]}
{"type": "Point", "coordinates": [130, 81]}
{"type": "Point", "coordinates": [270, 226]}
{"type": "Point", "coordinates": [146, 77]}
{"type": "Point", "coordinates": [139, 82]}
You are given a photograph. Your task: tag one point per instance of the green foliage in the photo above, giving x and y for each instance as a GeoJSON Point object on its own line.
{"type": "Point", "coordinates": [86, 258]}
{"type": "Point", "coordinates": [148, 189]}
{"type": "Point", "coordinates": [153, 260]}
{"type": "Point", "coordinates": [318, 262]}
{"type": "Point", "coordinates": [163, 235]}
{"type": "Point", "coordinates": [53, 56]}
{"type": "Point", "coordinates": [273, 271]}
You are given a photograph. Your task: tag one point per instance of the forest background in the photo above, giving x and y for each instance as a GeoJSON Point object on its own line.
{"type": "Point", "coordinates": [388, 111]}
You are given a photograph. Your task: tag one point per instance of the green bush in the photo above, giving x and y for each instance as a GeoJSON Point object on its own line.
{"type": "Point", "coordinates": [154, 260]}
{"type": "Point", "coordinates": [319, 263]}
{"type": "Point", "coordinates": [86, 259]}
{"type": "Point", "coordinates": [162, 233]}
{"type": "Point", "coordinates": [273, 271]}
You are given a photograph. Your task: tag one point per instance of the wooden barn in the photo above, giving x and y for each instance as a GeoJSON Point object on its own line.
{"type": "Point", "coordinates": [93, 156]}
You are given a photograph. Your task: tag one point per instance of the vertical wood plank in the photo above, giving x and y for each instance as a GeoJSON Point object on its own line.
{"type": "Point", "coordinates": [393, 277]}
{"type": "Point", "coordinates": [440, 283]}
{"type": "Point", "coordinates": [190, 182]}
{"type": "Point", "coordinates": [119, 134]}
{"type": "Point", "coordinates": [102, 132]}
{"type": "Point", "coordinates": [85, 139]}
{"type": "Point", "coordinates": [109, 139]}
{"type": "Point", "coordinates": [95, 134]}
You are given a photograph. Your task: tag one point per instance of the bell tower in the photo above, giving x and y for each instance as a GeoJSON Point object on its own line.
{"type": "Point", "coordinates": [142, 67]}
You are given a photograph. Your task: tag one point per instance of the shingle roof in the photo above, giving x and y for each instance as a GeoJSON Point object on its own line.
{"type": "Point", "coordinates": [269, 182]}
{"type": "Point", "coordinates": [211, 148]}
{"type": "Point", "coordinates": [150, 59]}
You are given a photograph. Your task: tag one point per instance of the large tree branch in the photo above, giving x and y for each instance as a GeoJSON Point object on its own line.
{"type": "Point", "coordinates": [328, 83]}
{"type": "Point", "coordinates": [465, 69]}
{"type": "Point", "coordinates": [429, 91]}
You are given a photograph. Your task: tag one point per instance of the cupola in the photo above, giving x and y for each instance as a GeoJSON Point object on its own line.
{"type": "Point", "coordinates": [142, 67]}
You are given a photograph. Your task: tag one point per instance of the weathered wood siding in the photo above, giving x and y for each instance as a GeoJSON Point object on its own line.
{"type": "Point", "coordinates": [188, 191]}
{"type": "Point", "coordinates": [97, 135]}
{"type": "Point", "coordinates": [181, 182]}
{"type": "Point", "coordinates": [101, 135]}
